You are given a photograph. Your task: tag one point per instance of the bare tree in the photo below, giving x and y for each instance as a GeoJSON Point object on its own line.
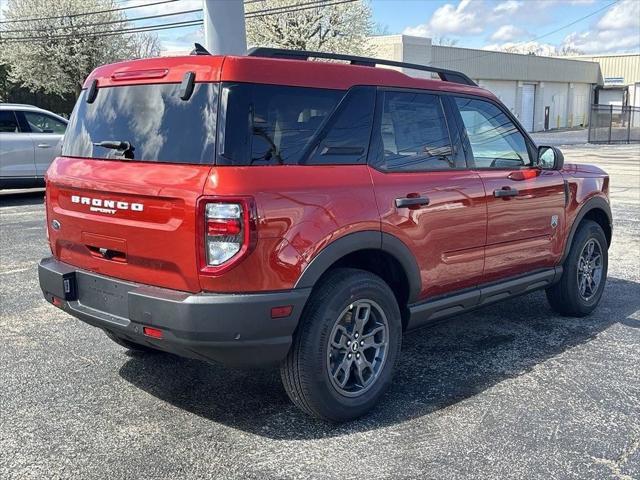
{"type": "Point", "coordinates": [55, 49]}
{"type": "Point", "coordinates": [144, 45]}
{"type": "Point", "coordinates": [342, 28]}
{"type": "Point", "coordinates": [444, 41]}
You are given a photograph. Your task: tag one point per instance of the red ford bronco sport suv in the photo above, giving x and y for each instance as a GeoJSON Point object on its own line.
{"type": "Point", "coordinates": [268, 209]}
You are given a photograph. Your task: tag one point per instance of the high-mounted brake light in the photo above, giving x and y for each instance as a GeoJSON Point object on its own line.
{"type": "Point", "coordinates": [140, 74]}
{"type": "Point", "coordinates": [228, 232]}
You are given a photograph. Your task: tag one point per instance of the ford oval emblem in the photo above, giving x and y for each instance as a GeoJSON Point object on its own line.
{"type": "Point", "coordinates": [55, 224]}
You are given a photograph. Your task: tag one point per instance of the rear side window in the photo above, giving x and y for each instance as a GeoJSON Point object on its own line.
{"type": "Point", "coordinates": [277, 125]}
{"type": "Point", "coordinates": [495, 140]}
{"type": "Point", "coordinates": [40, 123]}
{"type": "Point", "coordinates": [412, 134]}
{"type": "Point", "coordinates": [153, 119]}
{"type": "Point", "coordinates": [8, 122]}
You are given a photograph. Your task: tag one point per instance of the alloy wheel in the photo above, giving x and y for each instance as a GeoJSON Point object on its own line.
{"type": "Point", "coordinates": [358, 348]}
{"type": "Point", "coordinates": [589, 269]}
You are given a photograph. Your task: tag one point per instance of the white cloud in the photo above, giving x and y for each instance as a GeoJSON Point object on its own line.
{"type": "Point", "coordinates": [544, 49]}
{"type": "Point", "coordinates": [508, 7]}
{"type": "Point", "coordinates": [421, 30]}
{"type": "Point", "coordinates": [182, 43]}
{"type": "Point", "coordinates": [507, 33]}
{"type": "Point", "coordinates": [606, 41]}
{"type": "Point", "coordinates": [617, 30]}
{"type": "Point", "coordinates": [623, 15]}
{"type": "Point", "coordinates": [459, 20]}
{"type": "Point", "coordinates": [467, 18]}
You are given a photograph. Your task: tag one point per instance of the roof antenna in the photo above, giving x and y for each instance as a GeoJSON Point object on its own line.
{"type": "Point", "coordinates": [199, 50]}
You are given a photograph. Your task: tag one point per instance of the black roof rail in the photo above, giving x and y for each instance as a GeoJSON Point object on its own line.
{"type": "Point", "coordinates": [444, 74]}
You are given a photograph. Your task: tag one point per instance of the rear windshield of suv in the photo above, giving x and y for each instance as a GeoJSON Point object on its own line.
{"type": "Point", "coordinates": [157, 124]}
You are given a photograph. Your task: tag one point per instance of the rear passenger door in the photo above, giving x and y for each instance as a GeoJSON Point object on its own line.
{"type": "Point", "coordinates": [16, 148]}
{"type": "Point", "coordinates": [426, 195]}
{"type": "Point", "coordinates": [525, 204]}
{"type": "Point", "coordinates": [46, 135]}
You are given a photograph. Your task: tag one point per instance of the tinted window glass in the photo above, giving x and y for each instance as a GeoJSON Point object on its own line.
{"type": "Point", "coordinates": [495, 140]}
{"type": "Point", "coordinates": [152, 118]}
{"type": "Point", "coordinates": [271, 124]}
{"type": "Point", "coordinates": [40, 123]}
{"type": "Point", "coordinates": [348, 131]}
{"type": "Point", "coordinates": [8, 122]}
{"type": "Point", "coordinates": [413, 133]}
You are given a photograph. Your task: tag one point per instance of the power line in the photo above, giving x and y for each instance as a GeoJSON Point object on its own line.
{"type": "Point", "coordinates": [255, 13]}
{"type": "Point", "coordinates": [291, 8]}
{"type": "Point", "coordinates": [73, 15]}
{"type": "Point", "coordinates": [111, 22]}
{"type": "Point", "coordinates": [106, 33]}
{"type": "Point", "coordinates": [475, 57]}
{"type": "Point", "coordinates": [190, 23]}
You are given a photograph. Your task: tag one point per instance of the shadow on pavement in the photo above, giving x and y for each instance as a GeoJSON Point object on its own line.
{"type": "Point", "coordinates": [439, 366]}
{"type": "Point", "coordinates": [14, 198]}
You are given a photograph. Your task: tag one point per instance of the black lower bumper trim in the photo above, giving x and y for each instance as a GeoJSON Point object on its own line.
{"type": "Point", "coordinates": [234, 329]}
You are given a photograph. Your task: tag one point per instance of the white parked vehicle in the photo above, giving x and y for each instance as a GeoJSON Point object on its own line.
{"type": "Point", "coordinates": [30, 138]}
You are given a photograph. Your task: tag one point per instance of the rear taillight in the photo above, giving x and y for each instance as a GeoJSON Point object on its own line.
{"type": "Point", "coordinates": [228, 232]}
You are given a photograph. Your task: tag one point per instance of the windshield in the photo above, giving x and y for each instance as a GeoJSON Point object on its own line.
{"type": "Point", "coordinates": [152, 121]}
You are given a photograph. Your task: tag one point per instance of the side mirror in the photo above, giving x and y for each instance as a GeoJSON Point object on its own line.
{"type": "Point", "coordinates": [550, 158]}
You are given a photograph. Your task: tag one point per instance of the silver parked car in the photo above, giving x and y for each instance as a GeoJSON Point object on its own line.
{"type": "Point", "coordinates": [30, 138]}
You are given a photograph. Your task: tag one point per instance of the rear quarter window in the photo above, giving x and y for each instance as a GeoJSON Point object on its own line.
{"type": "Point", "coordinates": [283, 125]}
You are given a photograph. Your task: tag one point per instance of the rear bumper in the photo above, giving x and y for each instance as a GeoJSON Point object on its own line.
{"type": "Point", "coordinates": [233, 329]}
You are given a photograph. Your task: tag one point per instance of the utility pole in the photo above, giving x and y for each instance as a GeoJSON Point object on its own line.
{"type": "Point", "coordinates": [224, 30]}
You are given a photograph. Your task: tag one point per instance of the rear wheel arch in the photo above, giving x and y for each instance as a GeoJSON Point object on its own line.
{"type": "Point", "coordinates": [379, 253]}
{"type": "Point", "coordinates": [596, 209]}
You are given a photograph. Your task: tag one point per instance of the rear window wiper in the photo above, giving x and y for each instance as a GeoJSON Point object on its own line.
{"type": "Point", "coordinates": [125, 147]}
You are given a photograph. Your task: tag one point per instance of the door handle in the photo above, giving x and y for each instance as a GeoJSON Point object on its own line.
{"type": "Point", "coordinates": [43, 145]}
{"type": "Point", "coordinates": [505, 192]}
{"type": "Point", "coordinates": [412, 202]}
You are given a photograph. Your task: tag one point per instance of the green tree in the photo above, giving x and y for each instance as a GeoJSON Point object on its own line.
{"type": "Point", "coordinates": [341, 28]}
{"type": "Point", "coordinates": [53, 51]}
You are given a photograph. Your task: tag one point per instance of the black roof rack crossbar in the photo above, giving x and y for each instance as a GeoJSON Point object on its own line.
{"type": "Point", "coordinates": [444, 74]}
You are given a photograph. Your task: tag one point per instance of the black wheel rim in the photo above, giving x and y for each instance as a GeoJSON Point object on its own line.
{"type": "Point", "coordinates": [589, 269]}
{"type": "Point", "coordinates": [358, 348]}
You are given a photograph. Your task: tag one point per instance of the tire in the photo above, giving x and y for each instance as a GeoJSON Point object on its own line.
{"type": "Point", "coordinates": [565, 297]}
{"type": "Point", "coordinates": [315, 369]}
{"type": "Point", "coordinates": [129, 345]}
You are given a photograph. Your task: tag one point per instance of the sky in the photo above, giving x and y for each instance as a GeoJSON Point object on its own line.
{"type": "Point", "coordinates": [546, 26]}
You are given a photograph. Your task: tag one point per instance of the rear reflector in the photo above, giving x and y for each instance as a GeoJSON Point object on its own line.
{"type": "Point", "coordinates": [281, 312]}
{"type": "Point", "coordinates": [56, 301]}
{"type": "Point", "coordinates": [152, 332]}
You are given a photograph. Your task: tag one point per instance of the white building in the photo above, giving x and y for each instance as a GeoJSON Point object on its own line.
{"type": "Point", "coordinates": [542, 92]}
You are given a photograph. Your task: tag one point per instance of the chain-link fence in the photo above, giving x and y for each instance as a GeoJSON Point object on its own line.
{"type": "Point", "coordinates": [614, 124]}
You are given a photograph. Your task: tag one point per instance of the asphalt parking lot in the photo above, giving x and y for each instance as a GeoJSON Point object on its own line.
{"type": "Point", "coordinates": [511, 391]}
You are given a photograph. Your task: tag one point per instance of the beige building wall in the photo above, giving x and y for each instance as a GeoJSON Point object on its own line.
{"type": "Point", "coordinates": [562, 85]}
{"type": "Point", "coordinates": [625, 67]}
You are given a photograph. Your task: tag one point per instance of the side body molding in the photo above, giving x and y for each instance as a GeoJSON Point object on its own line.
{"type": "Point", "coordinates": [365, 240]}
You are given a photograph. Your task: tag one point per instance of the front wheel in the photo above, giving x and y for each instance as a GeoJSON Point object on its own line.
{"type": "Point", "coordinates": [346, 346]}
{"type": "Point", "coordinates": [584, 275]}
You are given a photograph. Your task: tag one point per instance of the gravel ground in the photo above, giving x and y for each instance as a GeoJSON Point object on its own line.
{"type": "Point", "coordinates": [510, 391]}
{"type": "Point", "coordinates": [576, 136]}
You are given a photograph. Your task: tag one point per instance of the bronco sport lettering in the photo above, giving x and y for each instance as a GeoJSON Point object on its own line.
{"type": "Point", "coordinates": [102, 205]}
{"type": "Point", "coordinates": [307, 214]}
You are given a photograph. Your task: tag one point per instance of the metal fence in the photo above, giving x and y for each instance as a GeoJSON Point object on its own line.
{"type": "Point", "coordinates": [614, 124]}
